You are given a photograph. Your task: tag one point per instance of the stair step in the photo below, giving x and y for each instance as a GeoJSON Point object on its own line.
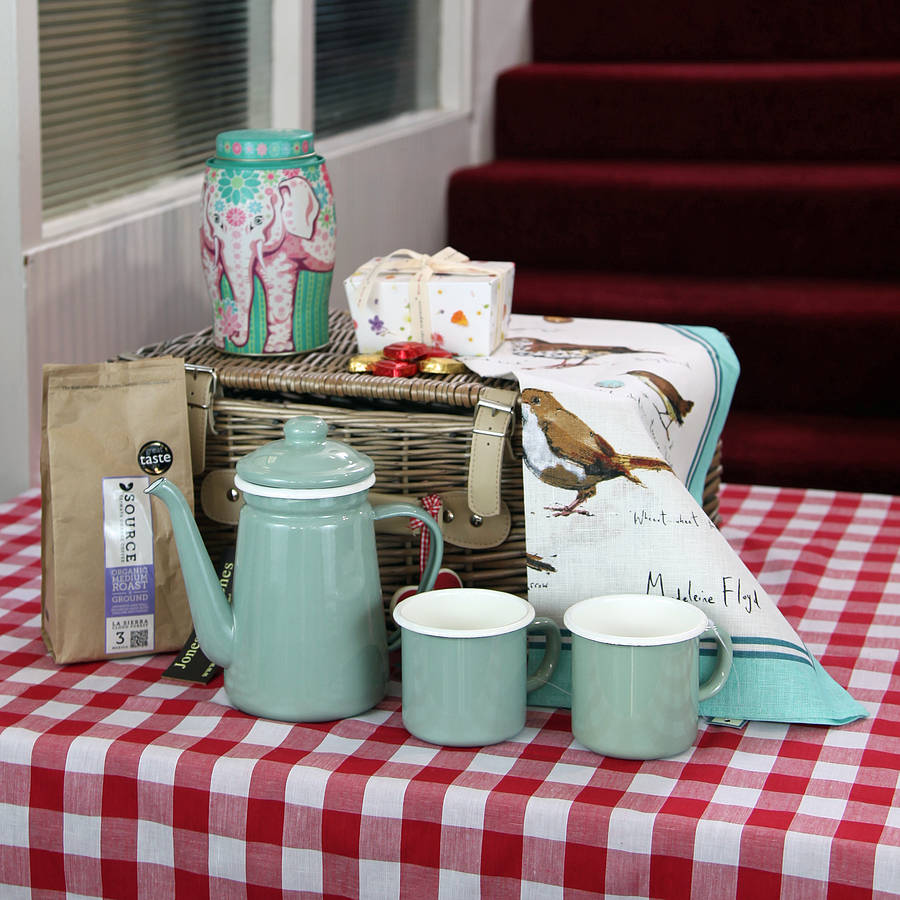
{"type": "Point", "coordinates": [712, 219]}
{"type": "Point", "coordinates": [803, 345]}
{"type": "Point", "coordinates": [825, 450]}
{"type": "Point", "coordinates": [585, 30]}
{"type": "Point", "coordinates": [725, 110]}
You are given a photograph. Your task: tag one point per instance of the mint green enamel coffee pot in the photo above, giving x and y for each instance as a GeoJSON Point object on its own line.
{"type": "Point", "coordinates": [304, 639]}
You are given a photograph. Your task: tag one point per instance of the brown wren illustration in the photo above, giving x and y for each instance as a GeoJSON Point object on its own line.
{"type": "Point", "coordinates": [676, 406]}
{"type": "Point", "coordinates": [566, 453]}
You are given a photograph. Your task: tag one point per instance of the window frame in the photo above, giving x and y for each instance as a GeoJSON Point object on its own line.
{"type": "Point", "coordinates": [292, 102]}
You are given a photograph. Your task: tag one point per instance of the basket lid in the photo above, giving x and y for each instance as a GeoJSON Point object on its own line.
{"type": "Point", "coordinates": [264, 145]}
{"type": "Point", "coordinates": [305, 464]}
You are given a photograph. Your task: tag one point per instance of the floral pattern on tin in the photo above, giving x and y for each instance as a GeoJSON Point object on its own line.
{"type": "Point", "coordinates": [236, 186]}
{"type": "Point", "coordinates": [263, 226]}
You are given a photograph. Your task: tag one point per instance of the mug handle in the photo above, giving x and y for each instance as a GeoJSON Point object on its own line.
{"type": "Point", "coordinates": [719, 676]}
{"type": "Point", "coordinates": [550, 630]}
{"type": "Point", "coordinates": [435, 549]}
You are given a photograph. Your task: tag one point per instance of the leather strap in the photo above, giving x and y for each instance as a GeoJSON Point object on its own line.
{"type": "Point", "coordinates": [462, 528]}
{"type": "Point", "coordinates": [475, 518]}
{"type": "Point", "coordinates": [220, 500]}
{"type": "Point", "coordinates": [201, 386]}
{"type": "Point", "coordinates": [490, 430]}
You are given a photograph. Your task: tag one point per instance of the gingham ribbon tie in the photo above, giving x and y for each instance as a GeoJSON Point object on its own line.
{"type": "Point", "coordinates": [432, 504]}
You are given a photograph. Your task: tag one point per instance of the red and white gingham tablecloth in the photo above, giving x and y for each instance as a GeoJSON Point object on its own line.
{"type": "Point", "coordinates": [115, 783]}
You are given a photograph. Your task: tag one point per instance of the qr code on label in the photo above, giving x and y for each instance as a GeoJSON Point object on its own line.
{"type": "Point", "coordinates": [130, 634]}
{"type": "Point", "coordinates": [140, 638]}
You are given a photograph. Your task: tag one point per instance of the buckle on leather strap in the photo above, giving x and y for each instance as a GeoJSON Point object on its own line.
{"type": "Point", "coordinates": [202, 384]}
{"type": "Point", "coordinates": [494, 404]}
{"type": "Point", "coordinates": [205, 392]}
{"type": "Point", "coordinates": [495, 407]}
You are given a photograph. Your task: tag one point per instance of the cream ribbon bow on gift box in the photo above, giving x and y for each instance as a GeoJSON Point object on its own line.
{"type": "Point", "coordinates": [422, 267]}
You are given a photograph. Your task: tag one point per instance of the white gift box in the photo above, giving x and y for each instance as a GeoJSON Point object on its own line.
{"type": "Point", "coordinates": [445, 300]}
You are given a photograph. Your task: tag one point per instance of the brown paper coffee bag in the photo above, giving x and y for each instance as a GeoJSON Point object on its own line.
{"type": "Point", "coordinates": [111, 581]}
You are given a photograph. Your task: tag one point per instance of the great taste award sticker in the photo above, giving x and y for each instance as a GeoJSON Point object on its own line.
{"type": "Point", "coordinates": [155, 457]}
{"type": "Point", "coordinates": [130, 588]}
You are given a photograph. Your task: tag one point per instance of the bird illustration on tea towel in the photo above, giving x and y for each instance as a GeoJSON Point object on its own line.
{"type": "Point", "coordinates": [674, 407]}
{"type": "Point", "coordinates": [569, 354]}
{"type": "Point", "coordinates": [564, 452]}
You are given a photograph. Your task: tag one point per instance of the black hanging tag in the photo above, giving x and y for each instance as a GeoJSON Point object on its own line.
{"type": "Point", "coordinates": [191, 663]}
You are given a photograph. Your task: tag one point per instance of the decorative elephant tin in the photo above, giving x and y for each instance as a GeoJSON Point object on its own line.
{"type": "Point", "coordinates": [267, 242]}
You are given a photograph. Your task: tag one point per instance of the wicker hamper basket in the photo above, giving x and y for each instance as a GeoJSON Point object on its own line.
{"type": "Point", "coordinates": [417, 430]}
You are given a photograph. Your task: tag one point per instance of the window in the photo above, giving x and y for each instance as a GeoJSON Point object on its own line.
{"type": "Point", "coordinates": [133, 92]}
{"type": "Point", "coordinates": [374, 59]}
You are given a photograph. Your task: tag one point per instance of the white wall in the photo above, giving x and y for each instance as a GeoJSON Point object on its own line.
{"type": "Point", "coordinates": [391, 194]}
{"type": "Point", "coordinates": [137, 280]}
{"type": "Point", "coordinates": [14, 455]}
{"type": "Point", "coordinates": [502, 39]}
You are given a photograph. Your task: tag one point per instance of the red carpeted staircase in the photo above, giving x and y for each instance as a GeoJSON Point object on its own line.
{"type": "Point", "coordinates": [734, 165]}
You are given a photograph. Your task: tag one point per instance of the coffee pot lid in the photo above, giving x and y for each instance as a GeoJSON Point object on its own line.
{"type": "Point", "coordinates": [305, 465]}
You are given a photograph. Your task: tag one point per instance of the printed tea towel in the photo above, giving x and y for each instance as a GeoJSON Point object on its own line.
{"type": "Point", "coordinates": [619, 424]}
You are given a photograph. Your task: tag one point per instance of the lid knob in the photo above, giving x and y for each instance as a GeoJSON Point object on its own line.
{"type": "Point", "coordinates": [305, 431]}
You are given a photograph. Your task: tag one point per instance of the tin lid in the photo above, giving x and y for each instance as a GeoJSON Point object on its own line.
{"type": "Point", "coordinates": [304, 465]}
{"type": "Point", "coordinates": [264, 145]}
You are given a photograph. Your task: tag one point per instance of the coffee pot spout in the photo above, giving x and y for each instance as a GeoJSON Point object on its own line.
{"type": "Point", "coordinates": [210, 610]}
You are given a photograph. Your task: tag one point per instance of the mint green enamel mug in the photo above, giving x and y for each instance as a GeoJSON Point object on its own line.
{"type": "Point", "coordinates": [636, 673]}
{"type": "Point", "coordinates": [464, 676]}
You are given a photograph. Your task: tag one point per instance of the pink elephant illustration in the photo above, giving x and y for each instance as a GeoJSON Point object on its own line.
{"type": "Point", "coordinates": [273, 239]}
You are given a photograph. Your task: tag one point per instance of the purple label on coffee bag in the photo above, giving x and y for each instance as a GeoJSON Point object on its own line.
{"type": "Point", "coordinates": [130, 601]}
{"type": "Point", "coordinates": [129, 590]}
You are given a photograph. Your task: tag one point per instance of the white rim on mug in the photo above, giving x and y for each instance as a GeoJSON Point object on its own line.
{"type": "Point", "coordinates": [463, 613]}
{"type": "Point", "coordinates": [635, 620]}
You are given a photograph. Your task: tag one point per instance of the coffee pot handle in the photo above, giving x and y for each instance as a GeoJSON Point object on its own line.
{"type": "Point", "coordinates": [435, 548]}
